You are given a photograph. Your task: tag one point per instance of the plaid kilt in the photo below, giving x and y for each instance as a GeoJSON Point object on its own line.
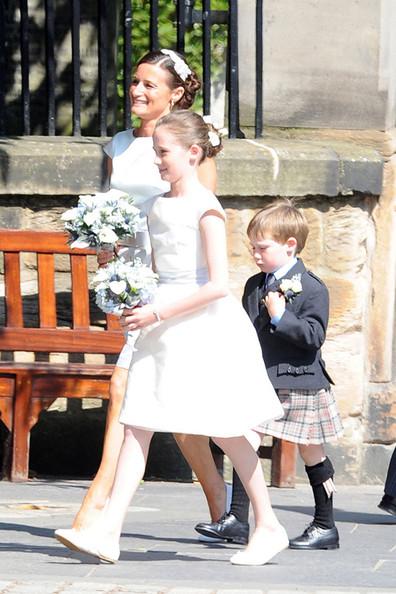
{"type": "Point", "coordinates": [311, 417]}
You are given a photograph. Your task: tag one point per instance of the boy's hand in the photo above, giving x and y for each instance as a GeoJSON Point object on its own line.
{"type": "Point", "coordinates": [275, 303]}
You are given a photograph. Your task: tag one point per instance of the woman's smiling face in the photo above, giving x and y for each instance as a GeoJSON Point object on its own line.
{"type": "Point", "coordinates": [150, 93]}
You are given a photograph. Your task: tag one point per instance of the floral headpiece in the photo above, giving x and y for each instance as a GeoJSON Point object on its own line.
{"type": "Point", "coordinates": [179, 65]}
{"type": "Point", "coordinates": [214, 138]}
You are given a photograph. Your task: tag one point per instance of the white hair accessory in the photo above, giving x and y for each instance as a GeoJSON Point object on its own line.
{"type": "Point", "coordinates": [179, 65]}
{"type": "Point", "coordinates": [214, 138]}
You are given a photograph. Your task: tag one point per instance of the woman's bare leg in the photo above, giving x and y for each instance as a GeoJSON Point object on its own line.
{"type": "Point", "coordinates": [197, 452]}
{"type": "Point", "coordinates": [100, 487]}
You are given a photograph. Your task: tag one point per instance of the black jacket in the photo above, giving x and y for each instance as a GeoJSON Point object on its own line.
{"type": "Point", "coordinates": [291, 350]}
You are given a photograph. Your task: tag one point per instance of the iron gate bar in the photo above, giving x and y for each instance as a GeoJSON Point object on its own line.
{"type": "Point", "coordinates": [154, 42]}
{"type": "Point", "coordinates": [102, 70]}
{"type": "Point", "coordinates": [2, 68]}
{"type": "Point", "coordinates": [181, 25]}
{"type": "Point", "coordinates": [50, 64]}
{"type": "Point", "coordinates": [258, 123]}
{"type": "Point", "coordinates": [24, 37]}
{"type": "Point", "coordinates": [206, 54]}
{"type": "Point", "coordinates": [186, 16]}
{"type": "Point", "coordinates": [233, 124]}
{"type": "Point", "coordinates": [127, 61]}
{"type": "Point", "coordinates": [218, 17]}
{"type": "Point", "coordinates": [76, 80]}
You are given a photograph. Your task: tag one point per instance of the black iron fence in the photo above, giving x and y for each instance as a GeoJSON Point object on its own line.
{"type": "Point", "coordinates": [66, 66]}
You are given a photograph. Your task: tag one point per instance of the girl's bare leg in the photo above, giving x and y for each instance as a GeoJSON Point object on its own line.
{"type": "Point", "coordinates": [130, 470]}
{"type": "Point", "coordinates": [99, 490]}
{"type": "Point", "coordinates": [267, 528]}
{"type": "Point", "coordinates": [197, 452]}
{"type": "Point", "coordinates": [103, 539]}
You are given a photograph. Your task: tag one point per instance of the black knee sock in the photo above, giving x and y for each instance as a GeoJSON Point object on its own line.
{"type": "Point", "coordinates": [240, 500]}
{"type": "Point", "coordinates": [317, 475]}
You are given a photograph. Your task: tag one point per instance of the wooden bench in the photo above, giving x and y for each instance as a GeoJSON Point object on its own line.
{"type": "Point", "coordinates": [28, 388]}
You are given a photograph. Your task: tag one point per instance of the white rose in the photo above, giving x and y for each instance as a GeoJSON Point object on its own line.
{"type": "Point", "coordinates": [285, 285]}
{"type": "Point", "coordinates": [80, 243]}
{"type": "Point", "coordinates": [296, 286]}
{"type": "Point", "coordinates": [90, 218]}
{"type": "Point", "coordinates": [88, 201]}
{"type": "Point", "coordinates": [71, 214]}
{"type": "Point", "coordinates": [117, 287]}
{"type": "Point", "coordinates": [107, 235]}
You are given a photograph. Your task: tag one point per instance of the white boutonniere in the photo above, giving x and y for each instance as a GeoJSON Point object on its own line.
{"type": "Point", "coordinates": [290, 287]}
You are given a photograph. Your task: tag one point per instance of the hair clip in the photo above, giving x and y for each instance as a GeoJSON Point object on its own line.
{"type": "Point", "coordinates": [179, 65]}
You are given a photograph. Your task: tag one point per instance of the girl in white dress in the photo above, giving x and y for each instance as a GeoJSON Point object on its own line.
{"type": "Point", "coordinates": [197, 353]}
{"type": "Point", "coordinates": [161, 83]}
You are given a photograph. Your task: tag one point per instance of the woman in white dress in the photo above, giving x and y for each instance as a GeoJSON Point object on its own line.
{"type": "Point", "coordinates": [162, 82]}
{"type": "Point", "coordinates": [172, 388]}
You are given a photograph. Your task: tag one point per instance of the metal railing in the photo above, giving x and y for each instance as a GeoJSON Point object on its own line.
{"type": "Point", "coordinates": [28, 108]}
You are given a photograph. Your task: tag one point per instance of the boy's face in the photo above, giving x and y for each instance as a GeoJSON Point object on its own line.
{"type": "Point", "coordinates": [270, 254]}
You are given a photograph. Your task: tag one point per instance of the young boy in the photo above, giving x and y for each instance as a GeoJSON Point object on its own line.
{"type": "Point", "coordinates": [289, 307]}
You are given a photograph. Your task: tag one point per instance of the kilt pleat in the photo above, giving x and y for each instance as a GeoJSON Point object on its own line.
{"type": "Point", "coordinates": [310, 417]}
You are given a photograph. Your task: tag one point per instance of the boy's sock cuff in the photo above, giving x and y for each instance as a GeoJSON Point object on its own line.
{"type": "Point", "coordinates": [320, 473]}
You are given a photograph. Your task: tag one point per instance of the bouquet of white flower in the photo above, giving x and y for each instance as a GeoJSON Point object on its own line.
{"type": "Point", "coordinates": [121, 285]}
{"type": "Point", "coordinates": [102, 218]}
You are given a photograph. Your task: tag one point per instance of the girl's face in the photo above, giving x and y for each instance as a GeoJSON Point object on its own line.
{"type": "Point", "coordinates": [150, 93]}
{"type": "Point", "coordinates": [172, 159]}
{"type": "Point", "coordinates": [270, 254]}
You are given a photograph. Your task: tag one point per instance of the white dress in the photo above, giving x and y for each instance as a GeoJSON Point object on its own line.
{"type": "Point", "coordinates": [134, 172]}
{"type": "Point", "coordinates": [200, 373]}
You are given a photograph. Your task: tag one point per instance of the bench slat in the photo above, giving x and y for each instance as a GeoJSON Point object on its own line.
{"type": "Point", "coordinates": [58, 386]}
{"type": "Point", "coordinates": [113, 322]}
{"type": "Point", "coordinates": [12, 277]}
{"type": "Point", "coordinates": [60, 340]}
{"type": "Point", "coordinates": [80, 291]}
{"type": "Point", "coordinates": [47, 299]}
{"type": "Point", "coordinates": [15, 240]}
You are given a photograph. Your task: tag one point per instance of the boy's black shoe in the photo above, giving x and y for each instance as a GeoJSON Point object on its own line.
{"type": "Point", "coordinates": [388, 504]}
{"type": "Point", "coordinates": [315, 538]}
{"type": "Point", "coordinates": [228, 528]}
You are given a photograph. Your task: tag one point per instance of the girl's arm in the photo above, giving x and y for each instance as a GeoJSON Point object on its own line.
{"type": "Point", "coordinates": [207, 174]}
{"type": "Point", "coordinates": [214, 241]}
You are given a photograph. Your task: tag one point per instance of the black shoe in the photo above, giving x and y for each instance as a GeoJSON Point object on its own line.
{"type": "Point", "coordinates": [388, 504]}
{"type": "Point", "coordinates": [228, 528]}
{"type": "Point", "coordinates": [315, 538]}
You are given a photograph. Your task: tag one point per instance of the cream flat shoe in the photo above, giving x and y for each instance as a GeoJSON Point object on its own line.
{"type": "Point", "coordinates": [66, 536]}
{"type": "Point", "coordinates": [278, 542]}
{"type": "Point", "coordinates": [85, 541]}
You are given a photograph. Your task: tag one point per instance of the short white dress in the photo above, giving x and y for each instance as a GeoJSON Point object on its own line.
{"type": "Point", "coordinates": [200, 373]}
{"type": "Point", "coordinates": [134, 172]}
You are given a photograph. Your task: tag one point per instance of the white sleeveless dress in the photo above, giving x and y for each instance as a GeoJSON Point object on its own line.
{"type": "Point", "coordinates": [200, 373]}
{"type": "Point", "coordinates": [134, 172]}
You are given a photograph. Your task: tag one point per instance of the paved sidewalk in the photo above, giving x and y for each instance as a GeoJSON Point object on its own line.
{"type": "Point", "coordinates": [161, 553]}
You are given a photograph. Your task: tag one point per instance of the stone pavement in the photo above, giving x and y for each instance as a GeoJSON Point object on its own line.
{"type": "Point", "coordinates": [161, 553]}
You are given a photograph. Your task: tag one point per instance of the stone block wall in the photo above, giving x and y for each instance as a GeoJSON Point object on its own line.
{"type": "Point", "coordinates": [349, 246]}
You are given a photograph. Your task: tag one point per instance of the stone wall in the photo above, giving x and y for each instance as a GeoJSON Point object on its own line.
{"type": "Point", "coordinates": [325, 64]}
{"type": "Point", "coordinates": [347, 189]}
